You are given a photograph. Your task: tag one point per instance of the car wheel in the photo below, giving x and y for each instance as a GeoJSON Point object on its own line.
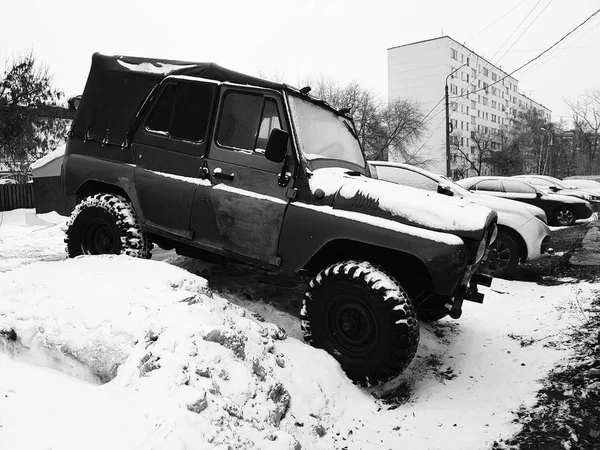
{"type": "Point", "coordinates": [104, 224]}
{"type": "Point", "coordinates": [503, 257]}
{"type": "Point", "coordinates": [564, 216]}
{"type": "Point", "coordinates": [362, 316]}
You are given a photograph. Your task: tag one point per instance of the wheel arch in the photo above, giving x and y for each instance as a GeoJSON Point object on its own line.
{"type": "Point", "coordinates": [91, 187]}
{"type": "Point", "coordinates": [393, 261]}
{"type": "Point", "coordinates": [517, 238]}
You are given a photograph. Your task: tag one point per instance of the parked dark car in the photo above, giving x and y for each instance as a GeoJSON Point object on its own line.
{"type": "Point", "coordinates": [560, 209]}
{"type": "Point", "coordinates": [553, 185]}
{"type": "Point", "coordinates": [522, 231]}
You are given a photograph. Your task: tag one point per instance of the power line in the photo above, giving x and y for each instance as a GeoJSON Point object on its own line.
{"type": "Point", "coordinates": [560, 50]}
{"type": "Point", "coordinates": [538, 56]}
{"type": "Point", "coordinates": [496, 21]}
{"type": "Point", "coordinates": [515, 30]}
{"type": "Point", "coordinates": [525, 30]}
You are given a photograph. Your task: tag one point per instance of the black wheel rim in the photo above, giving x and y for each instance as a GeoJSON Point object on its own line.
{"type": "Point", "coordinates": [352, 326]}
{"type": "Point", "coordinates": [499, 257]}
{"type": "Point", "coordinates": [565, 217]}
{"type": "Point", "coordinates": [99, 239]}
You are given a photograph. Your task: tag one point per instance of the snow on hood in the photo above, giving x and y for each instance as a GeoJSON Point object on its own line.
{"type": "Point", "coordinates": [198, 371]}
{"type": "Point", "coordinates": [403, 204]}
{"type": "Point", "coordinates": [59, 152]}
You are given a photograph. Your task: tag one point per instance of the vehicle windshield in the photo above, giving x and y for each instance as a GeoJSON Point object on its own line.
{"type": "Point", "coordinates": [323, 135]}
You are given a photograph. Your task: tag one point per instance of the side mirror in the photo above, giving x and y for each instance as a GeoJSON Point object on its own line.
{"type": "Point", "coordinates": [554, 188]}
{"type": "Point", "coordinates": [538, 194]}
{"type": "Point", "coordinates": [445, 190]}
{"type": "Point", "coordinates": [277, 145]}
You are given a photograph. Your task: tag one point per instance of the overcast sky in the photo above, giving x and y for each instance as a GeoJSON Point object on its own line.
{"type": "Point", "coordinates": [343, 39]}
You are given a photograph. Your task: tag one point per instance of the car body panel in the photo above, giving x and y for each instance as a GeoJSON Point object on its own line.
{"type": "Point", "coordinates": [515, 189]}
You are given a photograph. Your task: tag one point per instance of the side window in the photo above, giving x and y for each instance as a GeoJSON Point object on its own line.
{"type": "Point", "coordinates": [406, 177]}
{"type": "Point", "coordinates": [270, 120]}
{"type": "Point", "coordinates": [183, 112]}
{"type": "Point", "coordinates": [160, 120]}
{"type": "Point", "coordinates": [192, 112]}
{"type": "Point", "coordinates": [489, 185]}
{"type": "Point", "coordinates": [518, 187]}
{"type": "Point", "coordinates": [246, 121]}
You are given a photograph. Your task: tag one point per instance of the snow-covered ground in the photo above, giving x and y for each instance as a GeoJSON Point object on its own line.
{"type": "Point", "coordinates": [114, 352]}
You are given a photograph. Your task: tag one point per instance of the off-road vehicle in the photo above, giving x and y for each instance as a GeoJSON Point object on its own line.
{"type": "Point", "coordinates": [223, 166]}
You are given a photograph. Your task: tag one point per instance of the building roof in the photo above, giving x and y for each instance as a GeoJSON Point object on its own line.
{"type": "Point", "coordinates": [458, 43]}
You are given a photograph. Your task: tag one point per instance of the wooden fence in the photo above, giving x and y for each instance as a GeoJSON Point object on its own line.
{"type": "Point", "coordinates": [15, 196]}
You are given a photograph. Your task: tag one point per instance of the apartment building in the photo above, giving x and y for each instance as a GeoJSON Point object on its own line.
{"type": "Point", "coordinates": [483, 98]}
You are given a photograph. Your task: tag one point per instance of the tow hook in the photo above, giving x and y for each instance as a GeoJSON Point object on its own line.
{"type": "Point", "coordinates": [482, 279]}
{"type": "Point", "coordinates": [456, 309]}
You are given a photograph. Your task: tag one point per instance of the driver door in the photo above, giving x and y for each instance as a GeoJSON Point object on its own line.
{"type": "Point", "coordinates": [246, 200]}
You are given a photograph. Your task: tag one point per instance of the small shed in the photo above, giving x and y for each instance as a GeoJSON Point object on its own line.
{"type": "Point", "coordinates": [47, 191]}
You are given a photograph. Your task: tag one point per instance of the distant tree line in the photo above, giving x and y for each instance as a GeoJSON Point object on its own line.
{"type": "Point", "coordinates": [534, 145]}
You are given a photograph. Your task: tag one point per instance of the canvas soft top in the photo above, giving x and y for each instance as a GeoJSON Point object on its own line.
{"type": "Point", "coordinates": [117, 86]}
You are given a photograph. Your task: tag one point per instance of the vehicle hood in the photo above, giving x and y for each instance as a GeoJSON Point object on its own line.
{"type": "Point", "coordinates": [410, 206]}
{"type": "Point", "coordinates": [506, 206]}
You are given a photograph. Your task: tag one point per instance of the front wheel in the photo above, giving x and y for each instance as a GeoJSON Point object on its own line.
{"type": "Point", "coordinates": [503, 257]}
{"type": "Point", "coordinates": [564, 216]}
{"type": "Point", "coordinates": [106, 224]}
{"type": "Point", "coordinates": [362, 316]}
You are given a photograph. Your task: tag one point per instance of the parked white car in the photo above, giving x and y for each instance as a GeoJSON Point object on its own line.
{"type": "Point", "coordinates": [522, 231]}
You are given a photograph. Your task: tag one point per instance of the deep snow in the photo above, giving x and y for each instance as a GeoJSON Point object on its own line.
{"type": "Point", "coordinates": [115, 352]}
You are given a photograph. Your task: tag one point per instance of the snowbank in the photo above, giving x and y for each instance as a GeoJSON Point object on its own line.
{"type": "Point", "coordinates": [57, 153]}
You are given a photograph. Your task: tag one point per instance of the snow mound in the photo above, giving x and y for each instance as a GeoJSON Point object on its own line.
{"type": "Point", "coordinates": [207, 373]}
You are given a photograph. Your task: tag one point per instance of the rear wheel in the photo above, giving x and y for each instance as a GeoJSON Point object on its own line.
{"type": "Point", "coordinates": [361, 316]}
{"type": "Point", "coordinates": [104, 224]}
{"type": "Point", "coordinates": [564, 216]}
{"type": "Point", "coordinates": [503, 257]}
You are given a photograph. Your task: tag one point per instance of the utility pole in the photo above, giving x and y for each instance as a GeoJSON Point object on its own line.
{"type": "Point", "coordinates": [448, 131]}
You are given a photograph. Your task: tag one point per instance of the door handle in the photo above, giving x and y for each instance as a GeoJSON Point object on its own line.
{"type": "Point", "coordinates": [218, 173]}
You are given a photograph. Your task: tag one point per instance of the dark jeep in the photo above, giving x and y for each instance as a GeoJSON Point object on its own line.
{"type": "Point", "coordinates": [223, 166]}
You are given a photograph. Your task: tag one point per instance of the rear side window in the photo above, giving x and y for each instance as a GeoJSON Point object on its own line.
{"type": "Point", "coordinates": [489, 185]}
{"type": "Point", "coordinates": [246, 121]}
{"type": "Point", "coordinates": [183, 112]}
{"type": "Point", "coordinates": [518, 187]}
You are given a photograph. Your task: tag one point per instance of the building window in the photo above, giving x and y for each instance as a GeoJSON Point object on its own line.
{"type": "Point", "coordinates": [486, 72]}
{"type": "Point", "coordinates": [466, 110]}
{"type": "Point", "coordinates": [467, 63]}
{"type": "Point", "coordinates": [494, 90]}
{"type": "Point", "coordinates": [462, 141]}
{"type": "Point", "coordinates": [453, 89]}
{"type": "Point", "coordinates": [486, 116]}
{"type": "Point", "coordinates": [494, 104]}
{"type": "Point", "coordinates": [485, 101]}
{"type": "Point", "coordinates": [473, 120]}
{"type": "Point", "coordinates": [467, 128]}
{"type": "Point", "coordinates": [454, 106]}
{"type": "Point", "coordinates": [473, 104]}
{"type": "Point", "coordinates": [494, 118]}
{"type": "Point", "coordinates": [473, 73]}
{"type": "Point", "coordinates": [494, 77]}
{"type": "Point", "coordinates": [453, 54]}
{"type": "Point", "coordinates": [452, 72]}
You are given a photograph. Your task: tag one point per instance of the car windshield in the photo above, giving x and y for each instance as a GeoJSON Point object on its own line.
{"type": "Point", "coordinates": [324, 135]}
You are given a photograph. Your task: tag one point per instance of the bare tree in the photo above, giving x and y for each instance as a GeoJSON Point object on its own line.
{"type": "Point", "coordinates": [586, 118]}
{"type": "Point", "coordinates": [475, 157]}
{"type": "Point", "coordinates": [382, 128]}
{"type": "Point", "coordinates": [25, 134]}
